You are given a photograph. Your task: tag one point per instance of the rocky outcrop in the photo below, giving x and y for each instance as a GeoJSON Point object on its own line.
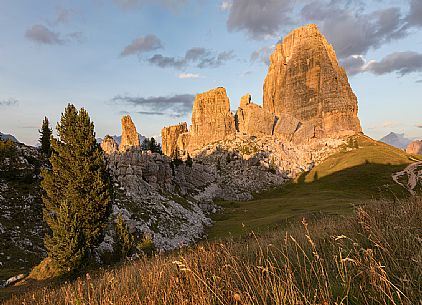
{"type": "Point", "coordinates": [212, 120]}
{"type": "Point", "coordinates": [286, 126]}
{"type": "Point", "coordinates": [252, 119]}
{"type": "Point", "coordinates": [109, 145]}
{"type": "Point", "coordinates": [21, 219]}
{"type": "Point", "coordinates": [415, 148]}
{"type": "Point", "coordinates": [171, 145]}
{"type": "Point", "coordinates": [130, 137]}
{"type": "Point", "coordinates": [305, 83]}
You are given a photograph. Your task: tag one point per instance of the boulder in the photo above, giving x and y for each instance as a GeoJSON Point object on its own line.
{"type": "Point", "coordinates": [286, 126]}
{"type": "Point", "coordinates": [170, 136]}
{"type": "Point", "coordinates": [130, 136]}
{"type": "Point", "coordinates": [415, 148]}
{"type": "Point", "coordinates": [211, 119]}
{"type": "Point", "coordinates": [305, 82]}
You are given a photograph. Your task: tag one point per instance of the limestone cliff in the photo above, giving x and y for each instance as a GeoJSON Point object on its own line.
{"type": "Point", "coordinates": [254, 120]}
{"type": "Point", "coordinates": [211, 119]}
{"type": "Point", "coordinates": [170, 136]}
{"type": "Point", "coordinates": [109, 145]}
{"type": "Point", "coordinates": [415, 148]}
{"type": "Point", "coordinates": [130, 137]}
{"type": "Point", "coordinates": [306, 84]}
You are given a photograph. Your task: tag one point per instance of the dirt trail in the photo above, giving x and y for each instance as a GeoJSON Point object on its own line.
{"type": "Point", "coordinates": [413, 173]}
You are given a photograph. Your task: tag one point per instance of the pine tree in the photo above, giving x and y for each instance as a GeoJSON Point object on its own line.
{"type": "Point", "coordinates": [124, 238]}
{"type": "Point", "coordinates": [151, 145]}
{"type": "Point", "coordinates": [45, 133]}
{"type": "Point", "coordinates": [77, 192]}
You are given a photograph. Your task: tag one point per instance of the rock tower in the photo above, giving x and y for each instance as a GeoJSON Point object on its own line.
{"type": "Point", "coordinates": [211, 119]}
{"type": "Point", "coordinates": [307, 89]}
{"type": "Point", "coordinates": [130, 136]}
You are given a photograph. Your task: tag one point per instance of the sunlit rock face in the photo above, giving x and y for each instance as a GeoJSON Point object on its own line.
{"type": "Point", "coordinates": [211, 119]}
{"type": "Point", "coordinates": [109, 145]}
{"type": "Point", "coordinates": [130, 136]}
{"type": "Point", "coordinates": [253, 119]}
{"type": "Point", "coordinates": [170, 136]}
{"type": "Point", "coordinates": [305, 84]}
{"type": "Point", "coordinates": [415, 148]}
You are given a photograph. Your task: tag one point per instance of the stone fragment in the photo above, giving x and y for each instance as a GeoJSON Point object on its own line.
{"type": "Point", "coordinates": [130, 136]}
{"type": "Point", "coordinates": [109, 145]}
{"type": "Point", "coordinates": [211, 119]}
{"type": "Point", "coordinates": [170, 137]}
{"type": "Point", "coordinates": [415, 148]}
{"type": "Point", "coordinates": [286, 126]}
{"type": "Point", "coordinates": [305, 82]}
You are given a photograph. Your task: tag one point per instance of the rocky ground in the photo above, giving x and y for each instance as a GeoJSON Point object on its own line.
{"type": "Point", "coordinates": [410, 178]}
{"type": "Point", "coordinates": [21, 225]}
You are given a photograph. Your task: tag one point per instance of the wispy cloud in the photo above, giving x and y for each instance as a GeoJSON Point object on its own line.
{"type": "Point", "coordinates": [172, 106]}
{"type": "Point", "coordinates": [226, 5]}
{"type": "Point", "coordinates": [259, 18]}
{"type": "Point", "coordinates": [188, 75]}
{"type": "Point", "coordinates": [136, 4]}
{"type": "Point", "coordinates": [43, 35]}
{"type": "Point", "coordinates": [198, 57]}
{"type": "Point", "coordinates": [142, 44]}
{"type": "Point", "coordinates": [402, 63]}
{"type": "Point", "coordinates": [151, 113]}
{"type": "Point", "coordinates": [64, 16]}
{"type": "Point", "coordinates": [262, 55]}
{"type": "Point", "coordinates": [9, 102]}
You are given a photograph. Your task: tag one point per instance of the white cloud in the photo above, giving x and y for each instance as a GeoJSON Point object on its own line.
{"type": "Point", "coordinates": [226, 5]}
{"type": "Point", "coordinates": [188, 75]}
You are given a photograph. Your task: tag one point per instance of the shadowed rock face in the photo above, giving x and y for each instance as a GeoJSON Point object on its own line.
{"type": "Point", "coordinates": [170, 138]}
{"type": "Point", "coordinates": [305, 82]}
{"type": "Point", "coordinates": [415, 148]}
{"type": "Point", "coordinates": [211, 119]}
{"type": "Point", "coordinates": [129, 135]}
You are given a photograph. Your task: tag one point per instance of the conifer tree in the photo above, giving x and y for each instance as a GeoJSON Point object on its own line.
{"type": "Point", "coordinates": [45, 134]}
{"type": "Point", "coordinates": [124, 237]}
{"type": "Point", "coordinates": [77, 192]}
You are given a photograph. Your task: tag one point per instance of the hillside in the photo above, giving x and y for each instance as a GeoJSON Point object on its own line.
{"type": "Point", "coordinates": [348, 260]}
{"type": "Point", "coordinates": [21, 224]}
{"type": "Point", "coordinates": [360, 171]}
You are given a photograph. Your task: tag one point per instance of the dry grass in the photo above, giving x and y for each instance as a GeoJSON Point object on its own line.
{"type": "Point", "coordinates": [372, 257]}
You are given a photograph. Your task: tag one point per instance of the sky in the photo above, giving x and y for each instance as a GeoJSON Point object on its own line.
{"type": "Point", "coordinates": [148, 58]}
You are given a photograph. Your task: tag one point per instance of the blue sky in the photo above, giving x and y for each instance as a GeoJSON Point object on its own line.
{"type": "Point", "coordinates": [149, 58]}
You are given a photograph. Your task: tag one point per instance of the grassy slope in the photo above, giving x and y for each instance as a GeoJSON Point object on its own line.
{"type": "Point", "coordinates": [333, 187]}
{"type": "Point", "coordinates": [340, 260]}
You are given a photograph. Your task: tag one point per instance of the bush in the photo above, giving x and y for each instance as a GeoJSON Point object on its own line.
{"type": "Point", "coordinates": [124, 238]}
{"type": "Point", "coordinates": [7, 149]}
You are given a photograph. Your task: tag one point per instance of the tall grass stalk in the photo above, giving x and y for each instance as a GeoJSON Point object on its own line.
{"type": "Point", "coordinates": [372, 257]}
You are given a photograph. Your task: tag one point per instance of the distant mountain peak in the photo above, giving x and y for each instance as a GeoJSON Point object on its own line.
{"type": "Point", "coordinates": [5, 137]}
{"type": "Point", "coordinates": [396, 139]}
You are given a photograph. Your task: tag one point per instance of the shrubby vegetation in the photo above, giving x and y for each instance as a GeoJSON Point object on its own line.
{"type": "Point", "coordinates": [152, 145]}
{"type": "Point", "coordinates": [7, 149]}
{"type": "Point", "coordinates": [372, 257]}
